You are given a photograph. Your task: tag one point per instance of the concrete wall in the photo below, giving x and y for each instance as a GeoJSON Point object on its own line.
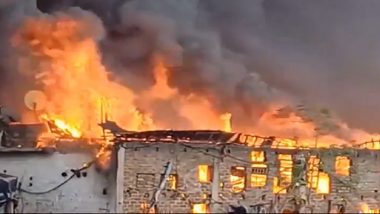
{"type": "Point", "coordinates": [92, 192]}
{"type": "Point", "coordinates": [144, 165]}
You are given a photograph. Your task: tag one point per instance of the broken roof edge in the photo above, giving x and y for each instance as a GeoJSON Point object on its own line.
{"type": "Point", "coordinates": [218, 137]}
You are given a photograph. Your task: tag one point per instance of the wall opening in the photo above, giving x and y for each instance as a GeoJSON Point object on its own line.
{"type": "Point", "coordinates": [144, 208]}
{"type": "Point", "coordinates": [258, 156]}
{"type": "Point", "coordinates": [317, 180]}
{"type": "Point", "coordinates": [200, 208]}
{"type": "Point", "coordinates": [259, 175]}
{"type": "Point", "coordinates": [342, 165]}
{"type": "Point", "coordinates": [259, 169]}
{"type": "Point", "coordinates": [323, 183]}
{"type": "Point", "coordinates": [205, 173]}
{"type": "Point", "coordinates": [276, 188]}
{"type": "Point", "coordinates": [238, 179]}
{"type": "Point", "coordinates": [145, 180]}
{"type": "Point", "coordinates": [285, 170]}
{"type": "Point", "coordinates": [172, 181]}
{"type": "Point", "coordinates": [313, 172]}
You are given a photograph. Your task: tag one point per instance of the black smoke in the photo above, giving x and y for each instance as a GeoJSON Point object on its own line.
{"type": "Point", "coordinates": [243, 54]}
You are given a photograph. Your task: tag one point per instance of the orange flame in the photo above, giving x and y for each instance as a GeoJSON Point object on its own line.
{"type": "Point", "coordinates": [73, 77]}
{"type": "Point", "coordinates": [364, 208]}
{"type": "Point", "coordinates": [61, 52]}
{"type": "Point", "coordinates": [323, 183]}
{"type": "Point", "coordinates": [226, 118]}
{"type": "Point", "coordinates": [63, 126]}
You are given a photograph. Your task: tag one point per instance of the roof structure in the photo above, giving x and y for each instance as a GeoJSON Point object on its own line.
{"type": "Point", "coordinates": [217, 137]}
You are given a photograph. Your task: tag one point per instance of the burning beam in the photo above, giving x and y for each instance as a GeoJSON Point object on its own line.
{"type": "Point", "coordinates": [226, 118]}
{"type": "Point", "coordinates": [62, 126]}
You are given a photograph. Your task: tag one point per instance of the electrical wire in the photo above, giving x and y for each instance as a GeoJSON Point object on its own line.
{"type": "Point", "coordinates": [49, 190]}
{"type": "Point", "coordinates": [199, 150]}
{"type": "Point", "coordinates": [74, 173]}
{"type": "Point", "coordinates": [137, 147]}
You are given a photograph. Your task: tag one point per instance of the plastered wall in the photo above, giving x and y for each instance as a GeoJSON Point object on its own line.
{"type": "Point", "coordinates": [91, 192]}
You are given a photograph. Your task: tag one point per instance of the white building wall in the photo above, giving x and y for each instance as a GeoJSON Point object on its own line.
{"type": "Point", "coordinates": [40, 172]}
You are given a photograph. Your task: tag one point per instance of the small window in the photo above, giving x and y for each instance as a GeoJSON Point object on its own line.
{"type": "Point", "coordinates": [144, 208]}
{"type": "Point", "coordinates": [238, 176]}
{"type": "Point", "coordinates": [342, 165]}
{"type": "Point", "coordinates": [205, 173]}
{"type": "Point", "coordinates": [145, 180]}
{"type": "Point", "coordinates": [276, 188]}
{"type": "Point", "coordinates": [200, 208]}
{"type": "Point", "coordinates": [259, 175]}
{"type": "Point", "coordinates": [258, 180]}
{"type": "Point", "coordinates": [323, 183]}
{"type": "Point", "coordinates": [313, 172]}
{"type": "Point", "coordinates": [172, 181]}
{"type": "Point", "coordinates": [257, 156]}
{"type": "Point", "coordinates": [285, 170]}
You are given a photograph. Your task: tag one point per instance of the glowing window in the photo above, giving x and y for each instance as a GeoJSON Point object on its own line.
{"type": "Point", "coordinates": [172, 181]}
{"type": "Point", "coordinates": [285, 170]}
{"type": "Point", "coordinates": [313, 172]}
{"type": "Point", "coordinates": [259, 175]}
{"type": "Point", "coordinates": [205, 173]}
{"type": "Point", "coordinates": [259, 169]}
{"type": "Point", "coordinates": [237, 179]}
{"type": "Point", "coordinates": [377, 211]}
{"type": "Point", "coordinates": [257, 156]}
{"type": "Point", "coordinates": [258, 180]}
{"type": "Point", "coordinates": [342, 165]}
{"type": "Point", "coordinates": [323, 183]}
{"type": "Point", "coordinates": [144, 208]}
{"type": "Point", "coordinates": [276, 188]}
{"type": "Point", "coordinates": [200, 208]}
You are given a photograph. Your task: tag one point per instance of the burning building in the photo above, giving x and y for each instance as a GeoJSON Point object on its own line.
{"type": "Point", "coordinates": [196, 171]}
{"type": "Point", "coordinates": [217, 172]}
{"type": "Point", "coordinates": [110, 89]}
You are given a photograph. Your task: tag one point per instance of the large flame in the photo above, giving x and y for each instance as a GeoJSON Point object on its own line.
{"type": "Point", "coordinates": [70, 70]}
{"type": "Point", "coordinates": [364, 208]}
{"type": "Point", "coordinates": [62, 53]}
{"type": "Point", "coordinates": [63, 126]}
{"type": "Point", "coordinates": [226, 118]}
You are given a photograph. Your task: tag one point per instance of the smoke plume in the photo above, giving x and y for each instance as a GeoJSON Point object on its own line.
{"type": "Point", "coordinates": [249, 58]}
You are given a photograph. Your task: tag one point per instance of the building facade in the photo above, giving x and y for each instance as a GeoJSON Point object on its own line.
{"type": "Point", "coordinates": [220, 177]}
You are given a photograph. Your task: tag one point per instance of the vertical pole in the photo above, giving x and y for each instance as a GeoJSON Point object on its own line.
{"type": "Point", "coordinates": [101, 117]}
{"type": "Point", "coordinates": [120, 180]}
{"type": "Point", "coordinates": [215, 187]}
{"type": "Point", "coordinates": [316, 139]}
{"type": "Point", "coordinates": [35, 111]}
{"type": "Point", "coordinates": [329, 206]}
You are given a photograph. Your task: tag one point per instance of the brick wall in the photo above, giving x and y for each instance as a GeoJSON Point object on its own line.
{"type": "Point", "coordinates": [144, 166]}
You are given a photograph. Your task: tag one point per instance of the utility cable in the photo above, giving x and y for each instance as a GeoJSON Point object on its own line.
{"type": "Point", "coordinates": [74, 173]}
{"type": "Point", "coordinates": [49, 190]}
